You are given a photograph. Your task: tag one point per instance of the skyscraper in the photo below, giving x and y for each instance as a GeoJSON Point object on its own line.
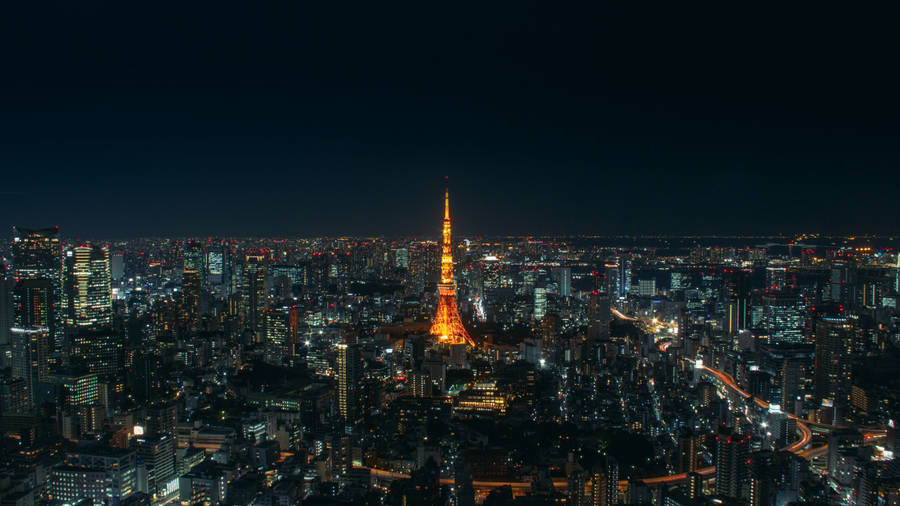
{"type": "Point", "coordinates": [783, 316]}
{"type": "Point", "coordinates": [790, 366]}
{"type": "Point", "coordinates": [447, 325]}
{"type": "Point", "coordinates": [348, 373]}
{"type": "Point", "coordinates": [190, 290]}
{"type": "Point", "coordinates": [87, 293]}
{"type": "Point", "coordinates": [540, 302]}
{"type": "Point", "coordinates": [282, 333]}
{"type": "Point", "coordinates": [195, 259]}
{"type": "Point", "coordinates": [737, 298]}
{"type": "Point", "coordinates": [732, 463]}
{"type": "Point", "coordinates": [38, 271]}
{"type": "Point", "coordinates": [253, 292]}
{"type": "Point", "coordinates": [30, 350]}
{"type": "Point", "coordinates": [565, 281]}
{"type": "Point", "coordinates": [623, 275]}
{"type": "Point", "coordinates": [833, 369]}
{"type": "Point", "coordinates": [598, 318]}
{"type": "Point", "coordinates": [7, 284]}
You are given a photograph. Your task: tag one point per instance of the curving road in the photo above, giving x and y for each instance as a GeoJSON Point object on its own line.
{"type": "Point", "coordinates": [801, 424]}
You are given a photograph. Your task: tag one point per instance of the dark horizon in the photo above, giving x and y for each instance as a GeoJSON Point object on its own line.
{"type": "Point", "coordinates": [305, 121]}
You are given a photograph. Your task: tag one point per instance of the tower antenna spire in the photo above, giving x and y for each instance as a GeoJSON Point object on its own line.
{"type": "Point", "coordinates": [447, 200]}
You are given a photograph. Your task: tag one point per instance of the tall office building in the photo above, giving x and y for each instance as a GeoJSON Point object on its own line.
{"type": "Point", "coordinates": [540, 302]}
{"type": "Point", "coordinates": [783, 317]}
{"type": "Point", "coordinates": [195, 259]}
{"type": "Point", "coordinates": [101, 474]}
{"type": "Point", "coordinates": [7, 284]}
{"type": "Point", "coordinates": [190, 291]}
{"type": "Point", "coordinates": [37, 268]}
{"type": "Point", "coordinates": [610, 277]}
{"type": "Point", "coordinates": [776, 277]}
{"type": "Point", "coordinates": [737, 300]}
{"type": "Point", "coordinates": [117, 266]}
{"type": "Point", "coordinates": [14, 396]}
{"type": "Point", "coordinates": [78, 387]}
{"type": "Point", "coordinates": [791, 369]}
{"type": "Point", "coordinates": [33, 301]}
{"type": "Point", "coordinates": [282, 334]}
{"type": "Point", "coordinates": [599, 317]}
{"type": "Point", "coordinates": [732, 466]}
{"type": "Point", "coordinates": [834, 337]}
{"type": "Point", "coordinates": [349, 376]}
{"type": "Point", "coordinates": [156, 466]}
{"type": "Point", "coordinates": [30, 351]}
{"type": "Point", "coordinates": [220, 269]}
{"type": "Point", "coordinates": [842, 283]}
{"type": "Point", "coordinates": [215, 266]}
{"type": "Point", "coordinates": [253, 292]}
{"type": "Point", "coordinates": [102, 351]}
{"type": "Point", "coordinates": [565, 281]}
{"type": "Point", "coordinates": [87, 294]}
{"type": "Point", "coordinates": [623, 275]}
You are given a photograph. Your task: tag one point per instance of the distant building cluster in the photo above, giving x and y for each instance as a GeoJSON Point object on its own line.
{"type": "Point", "coordinates": [479, 370]}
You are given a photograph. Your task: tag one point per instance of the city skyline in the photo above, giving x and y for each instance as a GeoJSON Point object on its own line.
{"type": "Point", "coordinates": [439, 254]}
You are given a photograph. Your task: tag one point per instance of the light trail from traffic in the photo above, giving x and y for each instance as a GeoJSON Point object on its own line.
{"type": "Point", "coordinates": [726, 378]}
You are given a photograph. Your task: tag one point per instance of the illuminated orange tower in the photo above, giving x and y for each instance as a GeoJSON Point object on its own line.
{"type": "Point", "coordinates": [447, 326]}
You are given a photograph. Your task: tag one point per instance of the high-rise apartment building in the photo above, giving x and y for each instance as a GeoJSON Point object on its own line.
{"type": "Point", "coordinates": [688, 452]}
{"type": "Point", "coordinates": [348, 375]}
{"type": "Point", "coordinates": [623, 275]}
{"type": "Point", "coordinates": [604, 484]}
{"type": "Point", "coordinates": [732, 463]}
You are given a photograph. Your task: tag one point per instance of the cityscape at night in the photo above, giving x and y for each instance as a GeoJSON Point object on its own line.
{"type": "Point", "coordinates": [511, 255]}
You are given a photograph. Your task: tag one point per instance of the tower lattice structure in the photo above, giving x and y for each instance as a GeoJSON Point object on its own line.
{"type": "Point", "coordinates": [447, 325]}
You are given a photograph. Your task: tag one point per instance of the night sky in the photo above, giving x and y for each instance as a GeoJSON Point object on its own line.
{"type": "Point", "coordinates": [142, 118]}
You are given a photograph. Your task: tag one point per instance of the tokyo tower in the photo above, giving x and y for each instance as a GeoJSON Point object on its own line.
{"type": "Point", "coordinates": [447, 326]}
